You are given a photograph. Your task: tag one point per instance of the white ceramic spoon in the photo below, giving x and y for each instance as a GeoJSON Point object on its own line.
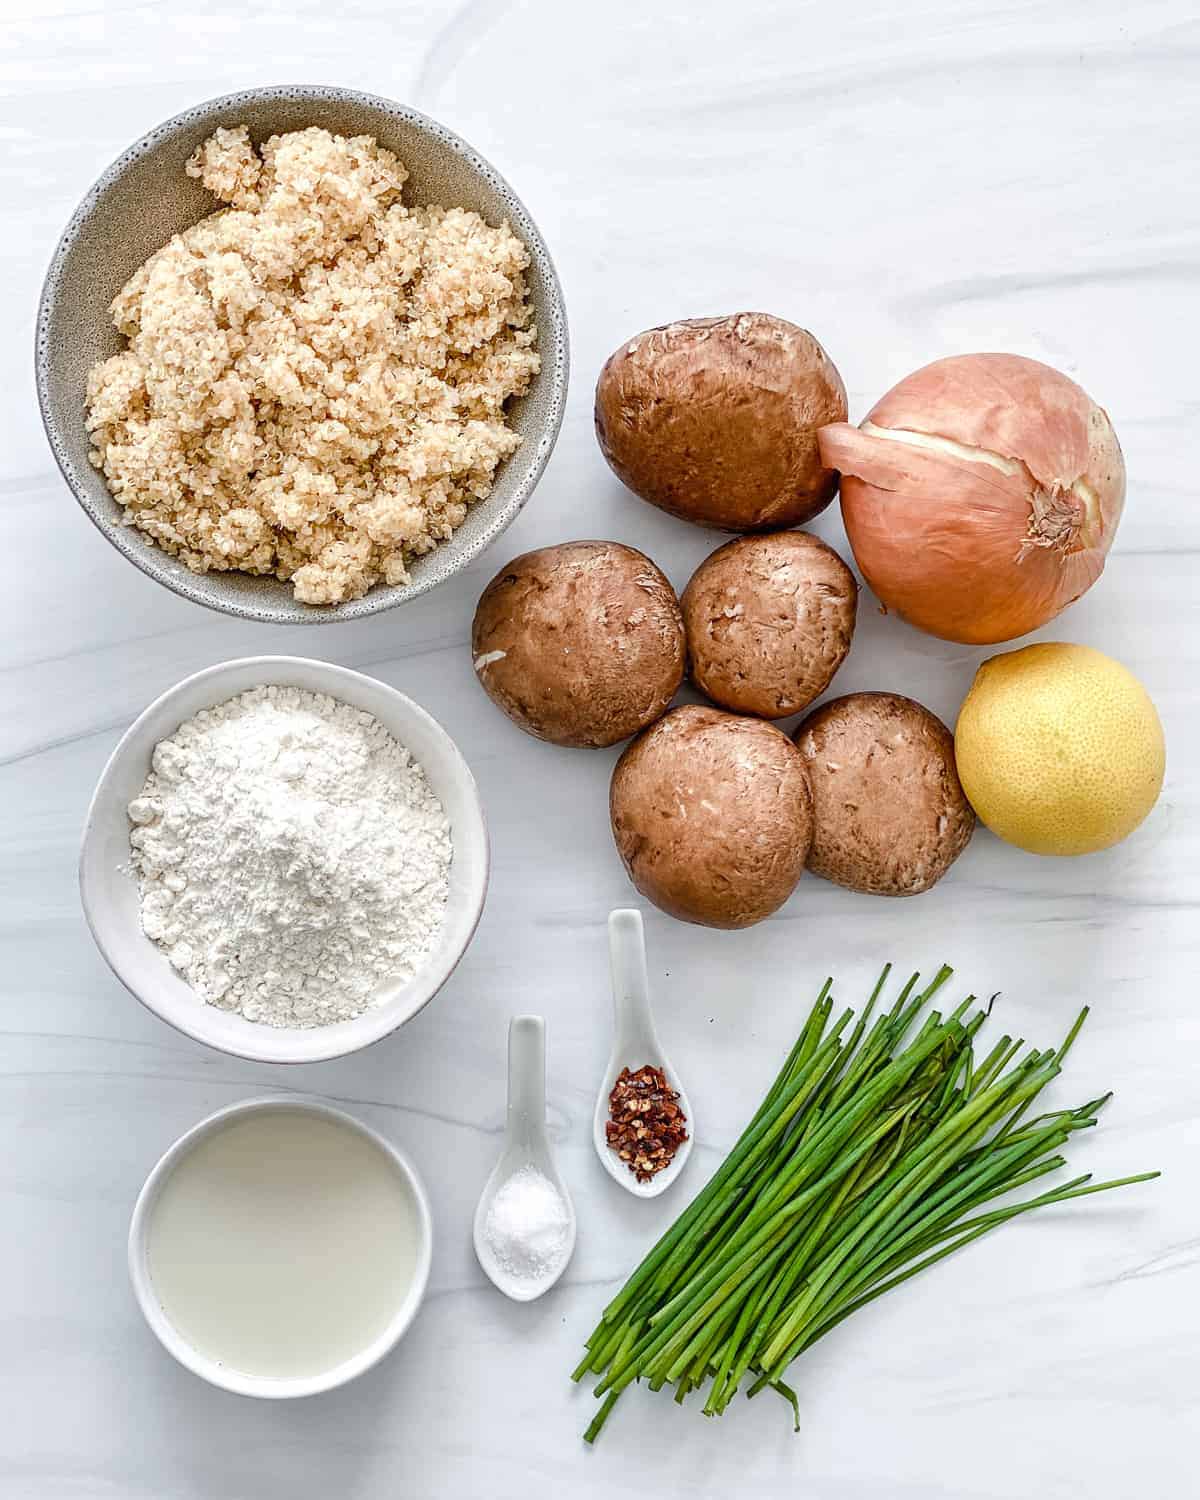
{"type": "Point", "coordinates": [525, 1145]}
{"type": "Point", "coordinates": [635, 1045]}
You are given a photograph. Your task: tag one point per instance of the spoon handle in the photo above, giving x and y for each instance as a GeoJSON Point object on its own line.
{"type": "Point", "coordinates": [631, 984]}
{"type": "Point", "coordinates": [526, 1079]}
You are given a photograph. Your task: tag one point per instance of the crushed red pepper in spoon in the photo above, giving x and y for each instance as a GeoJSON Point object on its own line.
{"type": "Point", "coordinates": [646, 1126]}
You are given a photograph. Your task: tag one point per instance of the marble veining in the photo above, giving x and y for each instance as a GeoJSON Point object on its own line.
{"type": "Point", "coordinates": [983, 174]}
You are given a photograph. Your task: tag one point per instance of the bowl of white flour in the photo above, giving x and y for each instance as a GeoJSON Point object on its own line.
{"type": "Point", "coordinates": [284, 859]}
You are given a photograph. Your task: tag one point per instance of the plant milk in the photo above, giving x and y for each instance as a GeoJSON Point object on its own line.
{"type": "Point", "coordinates": [283, 1244]}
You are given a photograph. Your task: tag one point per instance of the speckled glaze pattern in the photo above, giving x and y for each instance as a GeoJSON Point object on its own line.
{"type": "Point", "coordinates": [145, 197]}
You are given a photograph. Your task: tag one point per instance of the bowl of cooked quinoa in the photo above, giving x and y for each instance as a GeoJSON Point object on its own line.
{"type": "Point", "coordinates": [301, 354]}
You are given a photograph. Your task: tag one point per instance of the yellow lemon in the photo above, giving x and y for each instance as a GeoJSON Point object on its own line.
{"type": "Point", "coordinates": [1059, 749]}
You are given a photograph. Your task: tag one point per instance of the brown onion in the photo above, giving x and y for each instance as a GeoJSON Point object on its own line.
{"type": "Point", "coordinates": [980, 496]}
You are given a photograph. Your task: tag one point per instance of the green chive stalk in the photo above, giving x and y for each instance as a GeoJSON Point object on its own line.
{"type": "Point", "coordinates": [874, 1155]}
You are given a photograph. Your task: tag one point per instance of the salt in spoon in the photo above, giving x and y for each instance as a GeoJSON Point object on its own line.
{"type": "Point", "coordinates": [525, 1145]}
{"type": "Point", "coordinates": [635, 1045]}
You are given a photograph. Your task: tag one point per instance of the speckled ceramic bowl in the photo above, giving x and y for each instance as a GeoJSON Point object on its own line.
{"type": "Point", "coordinates": [145, 197]}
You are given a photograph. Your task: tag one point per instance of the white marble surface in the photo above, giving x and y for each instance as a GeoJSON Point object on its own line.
{"type": "Point", "coordinates": [907, 182]}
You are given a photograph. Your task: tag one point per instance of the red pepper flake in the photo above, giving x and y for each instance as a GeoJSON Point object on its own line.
{"type": "Point", "coordinates": [646, 1126]}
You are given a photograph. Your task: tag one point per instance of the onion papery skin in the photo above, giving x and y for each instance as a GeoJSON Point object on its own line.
{"type": "Point", "coordinates": [980, 496]}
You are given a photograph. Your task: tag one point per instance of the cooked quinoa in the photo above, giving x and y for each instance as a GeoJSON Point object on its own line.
{"type": "Point", "coordinates": [315, 377]}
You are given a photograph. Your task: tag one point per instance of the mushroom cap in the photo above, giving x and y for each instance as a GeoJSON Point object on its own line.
{"type": "Point", "coordinates": [890, 813]}
{"type": "Point", "coordinates": [716, 420]}
{"type": "Point", "coordinates": [712, 815]}
{"type": "Point", "coordinates": [769, 620]}
{"type": "Point", "coordinates": [580, 644]}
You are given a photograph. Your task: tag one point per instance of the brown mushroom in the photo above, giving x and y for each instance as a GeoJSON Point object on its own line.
{"type": "Point", "coordinates": [890, 814]}
{"type": "Point", "coordinates": [716, 420]}
{"type": "Point", "coordinates": [712, 816]}
{"type": "Point", "coordinates": [769, 621]}
{"type": "Point", "coordinates": [580, 644]}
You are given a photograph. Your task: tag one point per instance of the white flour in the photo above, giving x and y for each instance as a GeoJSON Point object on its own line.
{"type": "Point", "coordinates": [292, 857]}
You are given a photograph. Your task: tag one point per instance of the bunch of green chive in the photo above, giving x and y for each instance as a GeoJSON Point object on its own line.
{"type": "Point", "coordinates": [873, 1155]}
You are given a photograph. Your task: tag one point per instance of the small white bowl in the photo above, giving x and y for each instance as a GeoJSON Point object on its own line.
{"type": "Point", "coordinates": [109, 892]}
{"type": "Point", "coordinates": [237, 1381]}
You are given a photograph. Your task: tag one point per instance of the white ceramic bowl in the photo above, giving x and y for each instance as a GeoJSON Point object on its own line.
{"type": "Point", "coordinates": [274, 1389]}
{"type": "Point", "coordinates": [109, 892]}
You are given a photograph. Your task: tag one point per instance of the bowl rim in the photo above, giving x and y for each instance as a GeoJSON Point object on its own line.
{"type": "Point", "coordinates": [264, 1387]}
{"type": "Point", "coordinates": [370, 1026]}
{"type": "Point", "coordinates": [147, 558]}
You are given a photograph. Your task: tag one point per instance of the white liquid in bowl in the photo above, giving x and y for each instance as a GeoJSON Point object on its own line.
{"type": "Point", "coordinates": [283, 1244]}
